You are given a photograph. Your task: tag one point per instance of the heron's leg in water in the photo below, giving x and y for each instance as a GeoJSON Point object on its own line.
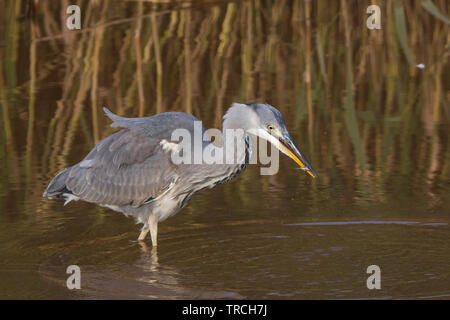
{"type": "Point", "coordinates": [144, 232]}
{"type": "Point", "coordinates": [153, 226]}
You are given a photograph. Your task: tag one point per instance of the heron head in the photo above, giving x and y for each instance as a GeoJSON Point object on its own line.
{"type": "Point", "coordinates": [266, 122]}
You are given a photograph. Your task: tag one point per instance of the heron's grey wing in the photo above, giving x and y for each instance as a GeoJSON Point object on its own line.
{"type": "Point", "coordinates": [124, 169]}
{"type": "Point", "coordinates": [127, 168]}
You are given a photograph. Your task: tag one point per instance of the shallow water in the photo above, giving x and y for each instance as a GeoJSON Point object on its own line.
{"type": "Point", "coordinates": [256, 237]}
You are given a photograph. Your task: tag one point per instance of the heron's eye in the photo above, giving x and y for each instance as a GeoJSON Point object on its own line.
{"type": "Point", "coordinates": [270, 127]}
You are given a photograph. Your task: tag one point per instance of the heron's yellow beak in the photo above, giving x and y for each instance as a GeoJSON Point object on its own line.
{"type": "Point", "coordinates": [288, 147]}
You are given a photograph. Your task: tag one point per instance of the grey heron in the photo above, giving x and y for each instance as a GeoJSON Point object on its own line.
{"type": "Point", "coordinates": [132, 171]}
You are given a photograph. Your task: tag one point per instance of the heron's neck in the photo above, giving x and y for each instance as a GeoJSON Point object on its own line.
{"type": "Point", "coordinates": [236, 141]}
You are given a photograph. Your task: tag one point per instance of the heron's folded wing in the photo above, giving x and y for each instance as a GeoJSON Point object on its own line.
{"type": "Point", "coordinates": [126, 168]}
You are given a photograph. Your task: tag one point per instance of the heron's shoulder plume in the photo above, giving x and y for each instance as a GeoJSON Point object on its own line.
{"type": "Point", "coordinates": [111, 115]}
{"type": "Point", "coordinates": [123, 122]}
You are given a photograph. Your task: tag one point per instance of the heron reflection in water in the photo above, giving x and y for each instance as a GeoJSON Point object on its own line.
{"type": "Point", "coordinates": [131, 171]}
